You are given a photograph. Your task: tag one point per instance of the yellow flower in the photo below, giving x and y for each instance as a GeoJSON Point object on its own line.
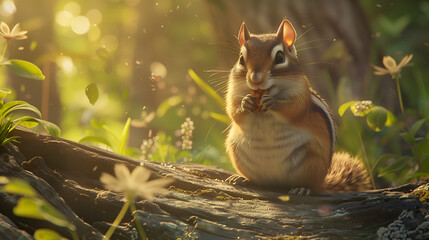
{"type": "Point", "coordinates": [390, 65]}
{"type": "Point", "coordinates": [14, 34]}
{"type": "Point", "coordinates": [135, 183]}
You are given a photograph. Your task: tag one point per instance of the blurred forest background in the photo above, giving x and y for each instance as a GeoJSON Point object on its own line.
{"type": "Point", "coordinates": [138, 54]}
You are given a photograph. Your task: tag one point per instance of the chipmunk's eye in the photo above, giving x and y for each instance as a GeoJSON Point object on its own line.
{"type": "Point", "coordinates": [279, 58]}
{"type": "Point", "coordinates": [242, 63]}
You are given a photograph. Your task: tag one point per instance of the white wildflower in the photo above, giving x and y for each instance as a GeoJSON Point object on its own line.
{"type": "Point", "coordinates": [134, 183]}
{"type": "Point", "coordinates": [186, 131]}
{"type": "Point", "coordinates": [16, 32]}
{"type": "Point", "coordinates": [361, 107]}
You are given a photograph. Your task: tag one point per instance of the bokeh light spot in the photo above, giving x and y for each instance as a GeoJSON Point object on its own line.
{"type": "Point", "coordinates": [94, 16]}
{"type": "Point", "coordinates": [80, 25]}
{"type": "Point", "coordinates": [73, 8]}
{"type": "Point", "coordinates": [66, 64]}
{"type": "Point", "coordinates": [158, 69]}
{"type": "Point", "coordinates": [64, 18]}
{"type": "Point", "coordinates": [8, 7]}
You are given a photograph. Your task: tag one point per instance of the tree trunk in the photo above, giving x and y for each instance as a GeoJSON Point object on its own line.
{"type": "Point", "coordinates": [199, 204]}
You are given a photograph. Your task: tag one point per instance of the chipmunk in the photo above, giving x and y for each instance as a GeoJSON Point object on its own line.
{"type": "Point", "coordinates": [282, 133]}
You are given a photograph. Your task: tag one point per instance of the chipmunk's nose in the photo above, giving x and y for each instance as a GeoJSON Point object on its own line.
{"type": "Point", "coordinates": [256, 77]}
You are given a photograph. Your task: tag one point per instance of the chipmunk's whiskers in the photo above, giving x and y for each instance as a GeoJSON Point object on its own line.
{"type": "Point", "coordinates": [306, 31]}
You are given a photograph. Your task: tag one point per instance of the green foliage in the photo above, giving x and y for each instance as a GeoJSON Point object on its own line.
{"type": "Point", "coordinates": [377, 117]}
{"type": "Point", "coordinates": [395, 167]}
{"type": "Point", "coordinates": [19, 187]}
{"type": "Point", "coordinates": [209, 91]}
{"type": "Point", "coordinates": [40, 209]}
{"type": "Point", "coordinates": [168, 104]}
{"type": "Point", "coordinates": [91, 92]}
{"type": "Point", "coordinates": [206, 88]}
{"type": "Point", "coordinates": [124, 137]}
{"type": "Point", "coordinates": [32, 205]}
{"type": "Point", "coordinates": [96, 140]}
{"type": "Point", "coordinates": [166, 151]}
{"type": "Point", "coordinates": [6, 127]}
{"type": "Point", "coordinates": [47, 234]}
{"type": "Point", "coordinates": [106, 133]}
{"type": "Point", "coordinates": [9, 119]}
{"type": "Point", "coordinates": [24, 69]}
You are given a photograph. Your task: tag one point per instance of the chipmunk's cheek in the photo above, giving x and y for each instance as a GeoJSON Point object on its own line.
{"type": "Point", "coordinates": [273, 90]}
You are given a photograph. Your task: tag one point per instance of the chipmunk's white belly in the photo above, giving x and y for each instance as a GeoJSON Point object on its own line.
{"type": "Point", "coordinates": [268, 151]}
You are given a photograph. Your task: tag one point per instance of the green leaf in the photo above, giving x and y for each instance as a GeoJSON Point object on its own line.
{"type": "Point", "coordinates": [110, 132]}
{"type": "Point", "coordinates": [414, 176]}
{"type": "Point", "coordinates": [423, 148]}
{"type": "Point", "coordinates": [167, 104]}
{"type": "Point", "coordinates": [383, 159]}
{"type": "Point", "coordinates": [95, 139]}
{"type": "Point", "coordinates": [47, 234]}
{"type": "Point", "coordinates": [9, 107]}
{"type": "Point", "coordinates": [19, 187]}
{"type": "Point", "coordinates": [206, 88]}
{"type": "Point", "coordinates": [396, 166]}
{"type": "Point", "coordinates": [125, 94]}
{"type": "Point", "coordinates": [124, 137]}
{"type": "Point", "coordinates": [91, 92]}
{"type": "Point", "coordinates": [183, 154]}
{"type": "Point", "coordinates": [28, 124]}
{"type": "Point", "coordinates": [40, 209]}
{"type": "Point", "coordinates": [377, 118]}
{"type": "Point", "coordinates": [390, 119]}
{"type": "Point", "coordinates": [408, 137]}
{"type": "Point", "coordinates": [28, 207]}
{"type": "Point", "coordinates": [220, 117]}
{"type": "Point", "coordinates": [51, 128]}
{"type": "Point", "coordinates": [394, 27]}
{"type": "Point", "coordinates": [3, 93]}
{"type": "Point", "coordinates": [417, 125]}
{"type": "Point", "coordinates": [10, 139]}
{"type": "Point", "coordinates": [102, 53]}
{"type": "Point", "coordinates": [342, 109]}
{"type": "Point", "coordinates": [25, 69]}
{"type": "Point", "coordinates": [6, 126]}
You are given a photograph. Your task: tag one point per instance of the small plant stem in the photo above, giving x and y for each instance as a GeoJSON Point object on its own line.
{"type": "Point", "coordinates": [139, 225]}
{"type": "Point", "coordinates": [401, 105]}
{"type": "Point", "coordinates": [117, 220]}
{"type": "Point", "coordinates": [4, 51]}
{"type": "Point", "coordinates": [366, 161]}
{"type": "Point", "coordinates": [74, 235]}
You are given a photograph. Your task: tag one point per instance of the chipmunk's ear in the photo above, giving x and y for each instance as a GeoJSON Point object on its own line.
{"type": "Point", "coordinates": [243, 34]}
{"type": "Point", "coordinates": [287, 33]}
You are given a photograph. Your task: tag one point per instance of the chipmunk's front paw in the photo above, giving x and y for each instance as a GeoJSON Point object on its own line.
{"type": "Point", "coordinates": [267, 102]}
{"type": "Point", "coordinates": [248, 103]}
{"type": "Point", "coordinates": [300, 191]}
{"type": "Point", "coordinates": [236, 179]}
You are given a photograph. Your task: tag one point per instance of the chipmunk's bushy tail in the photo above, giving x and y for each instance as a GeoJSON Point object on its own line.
{"type": "Point", "coordinates": [347, 174]}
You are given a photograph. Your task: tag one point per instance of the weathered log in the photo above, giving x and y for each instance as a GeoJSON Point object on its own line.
{"type": "Point", "coordinates": [199, 204]}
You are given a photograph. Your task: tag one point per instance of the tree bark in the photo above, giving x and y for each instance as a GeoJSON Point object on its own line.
{"type": "Point", "coordinates": [199, 204]}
